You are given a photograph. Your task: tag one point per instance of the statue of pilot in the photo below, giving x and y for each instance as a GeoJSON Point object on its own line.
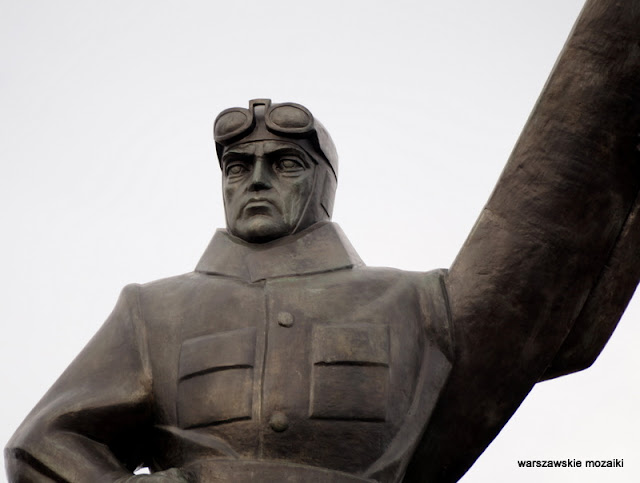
{"type": "Point", "coordinates": [282, 354]}
{"type": "Point", "coordinates": [282, 357]}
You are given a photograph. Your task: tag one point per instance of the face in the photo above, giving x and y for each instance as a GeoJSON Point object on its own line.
{"type": "Point", "coordinates": [266, 187]}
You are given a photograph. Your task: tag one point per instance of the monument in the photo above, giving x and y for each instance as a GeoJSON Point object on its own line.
{"type": "Point", "coordinates": [282, 357]}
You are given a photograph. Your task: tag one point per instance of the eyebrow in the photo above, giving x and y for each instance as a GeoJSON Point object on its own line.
{"type": "Point", "coordinates": [245, 155]}
{"type": "Point", "coordinates": [234, 155]}
{"type": "Point", "coordinates": [287, 150]}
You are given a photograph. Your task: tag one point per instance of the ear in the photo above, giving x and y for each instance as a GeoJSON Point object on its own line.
{"type": "Point", "coordinates": [328, 192]}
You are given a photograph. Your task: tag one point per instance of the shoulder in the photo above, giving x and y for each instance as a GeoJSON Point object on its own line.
{"type": "Point", "coordinates": [427, 290]}
{"type": "Point", "coordinates": [179, 286]}
{"type": "Point", "coordinates": [429, 284]}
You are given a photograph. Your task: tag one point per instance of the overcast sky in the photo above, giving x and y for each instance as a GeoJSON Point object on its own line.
{"type": "Point", "coordinates": [109, 173]}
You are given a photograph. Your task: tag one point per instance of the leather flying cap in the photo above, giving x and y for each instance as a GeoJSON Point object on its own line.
{"type": "Point", "coordinates": [287, 122]}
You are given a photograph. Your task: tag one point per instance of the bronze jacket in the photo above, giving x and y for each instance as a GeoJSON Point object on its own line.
{"type": "Point", "coordinates": [268, 360]}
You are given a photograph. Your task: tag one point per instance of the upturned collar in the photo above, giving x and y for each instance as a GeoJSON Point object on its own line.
{"type": "Point", "coordinates": [322, 247]}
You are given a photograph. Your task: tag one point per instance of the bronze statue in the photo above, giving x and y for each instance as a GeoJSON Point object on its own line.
{"type": "Point", "coordinates": [283, 358]}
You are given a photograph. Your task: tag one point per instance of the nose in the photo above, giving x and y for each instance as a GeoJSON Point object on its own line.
{"type": "Point", "coordinates": [260, 176]}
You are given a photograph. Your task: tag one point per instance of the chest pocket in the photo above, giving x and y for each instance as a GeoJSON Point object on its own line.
{"type": "Point", "coordinates": [350, 377]}
{"type": "Point", "coordinates": [216, 378]}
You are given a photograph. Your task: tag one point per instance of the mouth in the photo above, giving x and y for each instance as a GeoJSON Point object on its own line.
{"type": "Point", "coordinates": [258, 206]}
{"type": "Point", "coordinates": [257, 201]}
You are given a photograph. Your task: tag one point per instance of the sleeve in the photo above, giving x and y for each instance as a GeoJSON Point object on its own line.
{"type": "Point", "coordinates": [90, 426]}
{"type": "Point", "coordinates": [551, 262]}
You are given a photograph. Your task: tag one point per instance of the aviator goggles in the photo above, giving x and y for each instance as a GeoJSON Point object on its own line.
{"type": "Point", "coordinates": [264, 120]}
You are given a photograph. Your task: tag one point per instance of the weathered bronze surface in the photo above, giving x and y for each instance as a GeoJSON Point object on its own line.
{"type": "Point", "coordinates": [282, 357]}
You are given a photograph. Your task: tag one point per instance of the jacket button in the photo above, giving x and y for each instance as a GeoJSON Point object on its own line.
{"type": "Point", "coordinates": [279, 422]}
{"type": "Point", "coordinates": [285, 319]}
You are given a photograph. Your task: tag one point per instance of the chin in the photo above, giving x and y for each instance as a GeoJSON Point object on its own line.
{"type": "Point", "coordinates": [261, 231]}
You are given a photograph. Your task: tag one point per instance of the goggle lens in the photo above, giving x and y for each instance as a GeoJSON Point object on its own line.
{"type": "Point", "coordinates": [289, 118]}
{"type": "Point", "coordinates": [231, 122]}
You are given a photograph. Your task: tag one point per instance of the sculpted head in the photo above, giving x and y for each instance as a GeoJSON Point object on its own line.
{"type": "Point", "coordinates": [279, 170]}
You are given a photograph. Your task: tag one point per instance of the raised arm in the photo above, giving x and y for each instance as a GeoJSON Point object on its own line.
{"type": "Point", "coordinates": [551, 263]}
{"type": "Point", "coordinates": [90, 426]}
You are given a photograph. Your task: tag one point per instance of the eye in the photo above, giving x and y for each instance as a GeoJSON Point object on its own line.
{"type": "Point", "coordinates": [289, 165]}
{"type": "Point", "coordinates": [235, 169]}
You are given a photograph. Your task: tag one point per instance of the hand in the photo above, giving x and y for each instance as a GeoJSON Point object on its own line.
{"type": "Point", "coordinates": [173, 475]}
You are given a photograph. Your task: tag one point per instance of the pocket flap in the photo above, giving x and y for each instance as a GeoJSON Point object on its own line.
{"type": "Point", "coordinates": [235, 348]}
{"type": "Point", "coordinates": [349, 344]}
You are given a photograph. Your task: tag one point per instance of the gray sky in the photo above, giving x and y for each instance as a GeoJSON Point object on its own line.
{"type": "Point", "coordinates": [109, 173]}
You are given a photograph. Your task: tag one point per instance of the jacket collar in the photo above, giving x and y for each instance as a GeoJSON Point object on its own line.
{"type": "Point", "coordinates": [322, 247]}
